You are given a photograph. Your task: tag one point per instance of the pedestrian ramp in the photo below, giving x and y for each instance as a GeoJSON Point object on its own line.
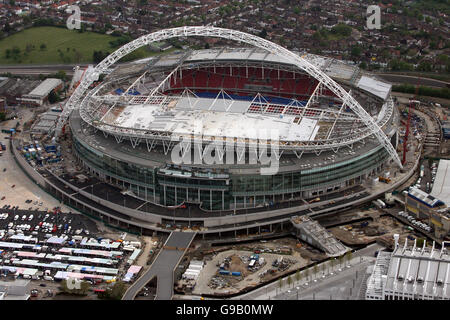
{"type": "Point", "coordinates": [163, 267]}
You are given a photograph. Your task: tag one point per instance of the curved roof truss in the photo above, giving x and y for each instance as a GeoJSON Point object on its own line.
{"type": "Point", "coordinates": [209, 31]}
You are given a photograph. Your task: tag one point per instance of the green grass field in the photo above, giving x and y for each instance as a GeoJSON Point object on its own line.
{"type": "Point", "coordinates": [61, 46]}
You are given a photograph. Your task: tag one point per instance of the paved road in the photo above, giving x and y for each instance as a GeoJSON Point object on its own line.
{"type": "Point", "coordinates": [37, 69]}
{"type": "Point", "coordinates": [272, 290]}
{"type": "Point", "coordinates": [399, 78]}
{"type": "Point", "coordinates": [343, 285]}
{"type": "Point", "coordinates": [163, 267]}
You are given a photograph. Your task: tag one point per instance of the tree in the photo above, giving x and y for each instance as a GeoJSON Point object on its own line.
{"type": "Point", "coordinates": [6, 28]}
{"type": "Point", "coordinates": [356, 51]}
{"type": "Point", "coordinates": [333, 263]}
{"type": "Point", "coordinates": [115, 292]}
{"type": "Point", "coordinates": [315, 270]}
{"type": "Point", "coordinates": [61, 74]}
{"type": "Point", "coordinates": [98, 56]}
{"type": "Point", "coordinates": [43, 46]}
{"type": "Point", "coordinates": [419, 242]}
{"type": "Point", "coordinates": [53, 97]}
{"type": "Point", "coordinates": [341, 259]}
{"type": "Point", "coordinates": [289, 280]}
{"type": "Point", "coordinates": [280, 283]}
{"type": "Point", "coordinates": [263, 33]}
{"type": "Point", "coordinates": [298, 276]}
{"type": "Point", "coordinates": [348, 255]}
{"type": "Point", "coordinates": [342, 30]}
{"type": "Point", "coordinates": [307, 274]}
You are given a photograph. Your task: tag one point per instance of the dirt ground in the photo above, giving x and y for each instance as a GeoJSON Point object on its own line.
{"type": "Point", "coordinates": [294, 253]}
{"type": "Point", "coordinates": [355, 234]}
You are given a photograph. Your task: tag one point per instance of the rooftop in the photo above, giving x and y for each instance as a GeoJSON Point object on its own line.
{"type": "Point", "coordinates": [441, 186]}
{"type": "Point", "coordinates": [43, 89]}
{"type": "Point", "coordinates": [424, 197]}
{"type": "Point", "coordinates": [421, 272]}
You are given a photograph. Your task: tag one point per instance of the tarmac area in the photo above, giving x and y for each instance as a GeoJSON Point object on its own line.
{"type": "Point", "coordinates": [16, 186]}
{"type": "Point", "coordinates": [249, 278]}
{"type": "Point", "coordinates": [35, 220]}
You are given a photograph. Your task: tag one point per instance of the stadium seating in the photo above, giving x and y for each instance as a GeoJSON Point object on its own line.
{"type": "Point", "coordinates": [247, 81]}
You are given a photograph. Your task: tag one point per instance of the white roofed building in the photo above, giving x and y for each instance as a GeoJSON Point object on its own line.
{"type": "Point", "coordinates": [40, 94]}
{"type": "Point", "coordinates": [410, 273]}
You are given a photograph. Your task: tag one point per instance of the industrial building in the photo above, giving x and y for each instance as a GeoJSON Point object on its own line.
{"type": "Point", "coordinates": [410, 273]}
{"type": "Point", "coordinates": [18, 289]}
{"type": "Point", "coordinates": [426, 207]}
{"type": "Point", "coordinates": [40, 94]}
{"type": "Point", "coordinates": [13, 89]}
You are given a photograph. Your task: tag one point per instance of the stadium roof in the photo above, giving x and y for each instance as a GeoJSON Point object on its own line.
{"type": "Point", "coordinates": [374, 86]}
{"type": "Point", "coordinates": [336, 69]}
{"type": "Point", "coordinates": [441, 186]}
{"type": "Point", "coordinates": [216, 123]}
{"type": "Point", "coordinates": [421, 272]}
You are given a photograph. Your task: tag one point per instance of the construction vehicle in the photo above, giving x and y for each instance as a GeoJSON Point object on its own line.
{"type": "Point", "coordinates": [314, 200]}
{"type": "Point", "coordinates": [383, 179]}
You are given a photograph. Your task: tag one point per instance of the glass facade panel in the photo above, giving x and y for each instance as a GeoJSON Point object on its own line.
{"type": "Point", "coordinates": [217, 194]}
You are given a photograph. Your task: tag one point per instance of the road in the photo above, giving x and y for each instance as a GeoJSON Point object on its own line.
{"type": "Point", "coordinates": [336, 277]}
{"type": "Point", "coordinates": [400, 78]}
{"type": "Point", "coordinates": [163, 266]}
{"type": "Point", "coordinates": [38, 69]}
{"type": "Point", "coordinates": [348, 284]}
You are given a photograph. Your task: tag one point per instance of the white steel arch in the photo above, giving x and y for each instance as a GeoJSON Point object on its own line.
{"type": "Point", "coordinates": [209, 31]}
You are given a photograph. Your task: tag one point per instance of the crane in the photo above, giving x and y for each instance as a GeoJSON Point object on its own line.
{"type": "Point", "coordinates": [408, 124]}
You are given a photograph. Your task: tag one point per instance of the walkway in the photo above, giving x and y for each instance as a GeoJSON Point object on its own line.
{"type": "Point", "coordinates": [163, 267]}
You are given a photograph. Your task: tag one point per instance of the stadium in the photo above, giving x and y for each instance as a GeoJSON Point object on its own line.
{"type": "Point", "coordinates": [335, 131]}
